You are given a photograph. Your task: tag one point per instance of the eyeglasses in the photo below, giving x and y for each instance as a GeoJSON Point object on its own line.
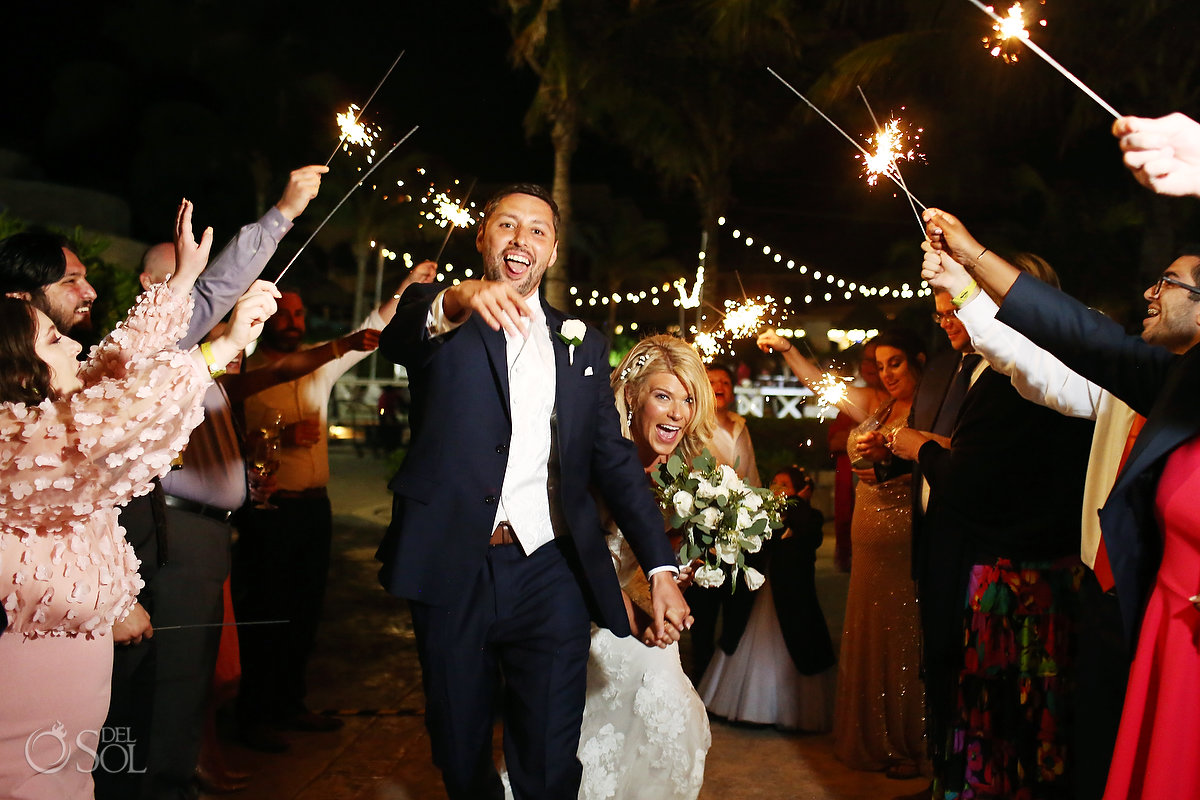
{"type": "Point", "coordinates": [939, 316]}
{"type": "Point", "coordinates": [1158, 286]}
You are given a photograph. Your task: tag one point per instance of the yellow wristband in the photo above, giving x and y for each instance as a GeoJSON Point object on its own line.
{"type": "Point", "coordinates": [960, 299]}
{"type": "Point", "coordinates": [213, 370]}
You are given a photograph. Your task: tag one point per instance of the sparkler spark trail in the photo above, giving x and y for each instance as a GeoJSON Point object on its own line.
{"type": "Point", "coordinates": [378, 86]}
{"type": "Point", "coordinates": [345, 197]}
{"type": "Point", "coordinates": [847, 136]}
{"type": "Point", "coordinates": [744, 319]}
{"type": "Point", "coordinates": [831, 389]}
{"type": "Point", "coordinates": [1032, 45]}
{"type": "Point", "coordinates": [1009, 32]}
{"type": "Point", "coordinates": [708, 345]}
{"type": "Point", "coordinates": [890, 142]}
{"type": "Point", "coordinates": [353, 131]}
{"type": "Point", "coordinates": [453, 215]}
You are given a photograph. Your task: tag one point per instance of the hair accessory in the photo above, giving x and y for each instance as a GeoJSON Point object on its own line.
{"type": "Point", "coordinates": [637, 364]}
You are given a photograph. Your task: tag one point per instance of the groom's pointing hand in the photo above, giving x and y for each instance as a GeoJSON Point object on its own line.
{"type": "Point", "coordinates": [669, 607]}
{"type": "Point", "coordinates": [496, 302]}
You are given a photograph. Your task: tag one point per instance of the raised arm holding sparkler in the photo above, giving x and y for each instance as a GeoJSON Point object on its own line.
{"type": "Point", "coordinates": [831, 390]}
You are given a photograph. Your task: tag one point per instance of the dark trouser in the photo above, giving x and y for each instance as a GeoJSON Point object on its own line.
{"type": "Point", "coordinates": [707, 605]}
{"type": "Point", "coordinates": [524, 618]}
{"type": "Point", "coordinates": [187, 591]}
{"type": "Point", "coordinates": [131, 706]}
{"type": "Point", "coordinates": [130, 711]}
{"type": "Point", "coordinates": [280, 569]}
{"type": "Point", "coordinates": [1101, 673]}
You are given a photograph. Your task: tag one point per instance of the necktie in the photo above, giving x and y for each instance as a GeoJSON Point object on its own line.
{"type": "Point", "coordinates": [1102, 567]}
{"type": "Point", "coordinates": [948, 414]}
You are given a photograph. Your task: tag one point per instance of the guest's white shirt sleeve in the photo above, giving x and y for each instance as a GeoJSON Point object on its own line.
{"type": "Point", "coordinates": [1036, 374]}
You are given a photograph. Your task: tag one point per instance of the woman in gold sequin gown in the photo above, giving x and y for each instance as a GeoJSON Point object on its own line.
{"type": "Point", "coordinates": [879, 708]}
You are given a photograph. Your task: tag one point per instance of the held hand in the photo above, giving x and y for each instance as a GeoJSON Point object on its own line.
{"type": "Point", "coordinates": [260, 488]}
{"type": "Point", "coordinates": [190, 256]}
{"type": "Point", "coordinates": [250, 313]}
{"type": "Point", "coordinates": [497, 303]}
{"type": "Point", "coordinates": [134, 628]}
{"type": "Point", "coordinates": [942, 272]}
{"type": "Point", "coordinates": [687, 575]}
{"type": "Point", "coordinates": [906, 442]}
{"type": "Point", "coordinates": [305, 433]}
{"type": "Point", "coordinates": [425, 272]}
{"type": "Point", "coordinates": [1163, 153]}
{"type": "Point", "coordinates": [364, 340]}
{"type": "Point", "coordinates": [873, 447]}
{"type": "Point", "coordinates": [671, 612]}
{"type": "Point", "coordinates": [947, 234]}
{"type": "Point", "coordinates": [770, 340]}
{"type": "Point", "coordinates": [866, 475]}
{"type": "Point", "coordinates": [303, 185]}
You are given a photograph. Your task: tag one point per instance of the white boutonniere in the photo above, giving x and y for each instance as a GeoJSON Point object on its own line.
{"type": "Point", "coordinates": [572, 333]}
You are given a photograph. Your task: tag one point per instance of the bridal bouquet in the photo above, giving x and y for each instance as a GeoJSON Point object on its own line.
{"type": "Point", "coordinates": [722, 518]}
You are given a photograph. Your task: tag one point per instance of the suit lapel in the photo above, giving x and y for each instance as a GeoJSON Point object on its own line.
{"type": "Point", "coordinates": [497, 352]}
{"type": "Point", "coordinates": [1172, 420]}
{"type": "Point", "coordinates": [564, 375]}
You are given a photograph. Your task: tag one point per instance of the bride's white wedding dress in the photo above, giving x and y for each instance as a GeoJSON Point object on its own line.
{"type": "Point", "coordinates": [645, 731]}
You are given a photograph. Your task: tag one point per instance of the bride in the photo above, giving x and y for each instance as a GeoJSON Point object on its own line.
{"type": "Point", "coordinates": [645, 731]}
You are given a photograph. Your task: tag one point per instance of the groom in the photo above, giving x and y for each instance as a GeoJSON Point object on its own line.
{"type": "Point", "coordinates": [495, 538]}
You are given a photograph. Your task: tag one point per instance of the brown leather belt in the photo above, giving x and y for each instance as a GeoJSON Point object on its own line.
{"type": "Point", "coordinates": [502, 535]}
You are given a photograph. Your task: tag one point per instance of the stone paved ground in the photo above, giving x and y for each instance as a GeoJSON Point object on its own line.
{"type": "Point", "coordinates": [367, 661]}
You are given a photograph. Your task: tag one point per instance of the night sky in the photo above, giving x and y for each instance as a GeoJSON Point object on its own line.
{"type": "Point", "coordinates": [150, 101]}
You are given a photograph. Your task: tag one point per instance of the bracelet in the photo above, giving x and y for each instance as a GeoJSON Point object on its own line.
{"type": "Point", "coordinates": [213, 370]}
{"type": "Point", "coordinates": [960, 299]}
{"type": "Point", "coordinates": [790, 346]}
{"type": "Point", "coordinates": [981, 252]}
{"type": "Point", "coordinates": [336, 350]}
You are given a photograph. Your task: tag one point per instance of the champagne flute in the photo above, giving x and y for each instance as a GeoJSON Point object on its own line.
{"type": "Point", "coordinates": [264, 461]}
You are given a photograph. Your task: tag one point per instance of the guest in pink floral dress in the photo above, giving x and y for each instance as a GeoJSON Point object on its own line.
{"type": "Point", "coordinates": [76, 442]}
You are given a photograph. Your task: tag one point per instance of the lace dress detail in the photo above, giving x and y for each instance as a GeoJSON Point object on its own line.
{"type": "Point", "coordinates": [67, 466]}
{"type": "Point", "coordinates": [645, 731]}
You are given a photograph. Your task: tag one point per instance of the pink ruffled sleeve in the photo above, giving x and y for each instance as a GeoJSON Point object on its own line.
{"type": "Point", "coordinates": [105, 444]}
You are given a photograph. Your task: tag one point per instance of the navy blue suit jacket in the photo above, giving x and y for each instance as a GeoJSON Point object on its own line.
{"type": "Point", "coordinates": [449, 484]}
{"type": "Point", "coordinates": [1156, 383]}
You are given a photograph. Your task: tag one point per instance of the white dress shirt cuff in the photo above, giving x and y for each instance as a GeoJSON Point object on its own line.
{"type": "Point", "coordinates": [664, 568]}
{"type": "Point", "coordinates": [436, 323]}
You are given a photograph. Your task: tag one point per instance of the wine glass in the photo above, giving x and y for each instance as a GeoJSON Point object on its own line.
{"type": "Point", "coordinates": [264, 461]}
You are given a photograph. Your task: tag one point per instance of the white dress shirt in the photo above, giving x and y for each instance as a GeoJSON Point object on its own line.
{"type": "Point", "coordinates": [1040, 377]}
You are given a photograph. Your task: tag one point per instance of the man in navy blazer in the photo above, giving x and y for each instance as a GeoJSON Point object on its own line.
{"type": "Point", "coordinates": [495, 538]}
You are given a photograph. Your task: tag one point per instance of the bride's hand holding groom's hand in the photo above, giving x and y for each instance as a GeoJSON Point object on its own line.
{"type": "Point", "coordinates": [671, 612]}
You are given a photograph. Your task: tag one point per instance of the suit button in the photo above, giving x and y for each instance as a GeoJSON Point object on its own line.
{"type": "Point", "coordinates": [490, 499]}
{"type": "Point", "coordinates": [501, 449]}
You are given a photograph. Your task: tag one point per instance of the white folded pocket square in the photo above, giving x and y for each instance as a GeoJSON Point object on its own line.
{"type": "Point", "coordinates": [587, 372]}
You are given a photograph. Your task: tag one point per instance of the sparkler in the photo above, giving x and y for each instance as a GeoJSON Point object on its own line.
{"type": "Point", "coordinates": [357, 133]}
{"type": "Point", "coordinates": [345, 197]}
{"type": "Point", "coordinates": [354, 125]}
{"type": "Point", "coordinates": [831, 389]}
{"type": "Point", "coordinates": [1009, 32]}
{"type": "Point", "coordinates": [847, 136]}
{"type": "Point", "coordinates": [890, 143]}
{"type": "Point", "coordinates": [453, 215]}
{"type": "Point", "coordinates": [744, 319]}
{"type": "Point", "coordinates": [1015, 29]}
{"type": "Point", "coordinates": [708, 345]}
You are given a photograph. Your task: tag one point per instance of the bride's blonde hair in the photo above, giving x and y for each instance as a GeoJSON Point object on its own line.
{"type": "Point", "coordinates": [658, 354]}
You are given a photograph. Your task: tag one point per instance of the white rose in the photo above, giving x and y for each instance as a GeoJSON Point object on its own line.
{"type": "Point", "coordinates": [743, 520]}
{"type": "Point", "coordinates": [752, 544]}
{"type": "Point", "coordinates": [706, 491]}
{"type": "Point", "coordinates": [729, 478]}
{"type": "Point", "coordinates": [752, 501]}
{"type": "Point", "coordinates": [727, 551]}
{"type": "Point", "coordinates": [710, 577]}
{"type": "Point", "coordinates": [683, 504]}
{"type": "Point", "coordinates": [573, 329]}
{"type": "Point", "coordinates": [754, 578]}
{"type": "Point", "coordinates": [712, 517]}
